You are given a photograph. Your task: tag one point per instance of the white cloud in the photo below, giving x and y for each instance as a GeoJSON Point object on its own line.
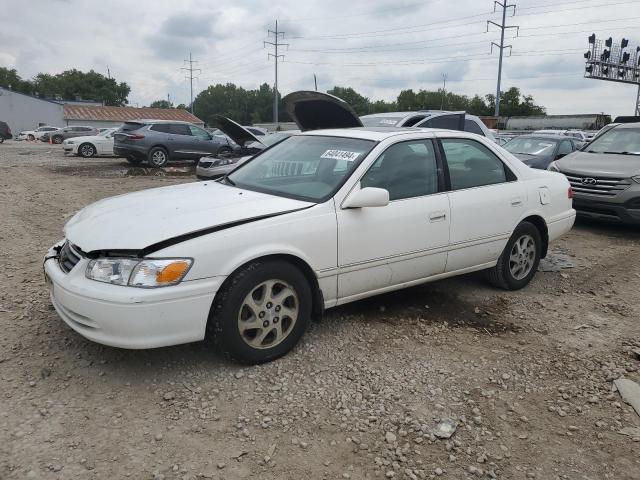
{"type": "Point", "coordinates": [402, 45]}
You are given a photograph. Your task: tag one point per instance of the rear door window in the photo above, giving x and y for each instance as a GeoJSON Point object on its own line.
{"type": "Point", "coordinates": [179, 129]}
{"type": "Point", "coordinates": [472, 127]}
{"type": "Point", "coordinates": [161, 127]}
{"type": "Point", "coordinates": [448, 122]}
{"type": "Point", "coordinates": [471, 164]}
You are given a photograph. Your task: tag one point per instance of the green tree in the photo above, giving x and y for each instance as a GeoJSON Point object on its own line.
{"type": "Point", "coordinates": [10, 79]}
{"type": "Point", "coordinates": [161, 104]}
{"type": "Point", "coordinates": [358, 102]}
{"type": "Point", "coordinates": [91, 85]}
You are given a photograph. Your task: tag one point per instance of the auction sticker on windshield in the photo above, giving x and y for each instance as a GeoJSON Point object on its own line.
{"type": "Point", "coordinates": [340, 155]}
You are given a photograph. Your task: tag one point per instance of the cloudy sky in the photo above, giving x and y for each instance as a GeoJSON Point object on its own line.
{"type": "Point", "coordinates": [378, 47]}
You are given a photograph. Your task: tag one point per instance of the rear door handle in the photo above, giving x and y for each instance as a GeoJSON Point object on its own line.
{"type": "Point", "coordinates": [437, 216]}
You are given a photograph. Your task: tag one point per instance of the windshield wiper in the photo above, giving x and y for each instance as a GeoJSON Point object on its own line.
{"type": "Point", "coordinates": [621, 153]}
{"type": "Point", "coordinates": [226, 179]}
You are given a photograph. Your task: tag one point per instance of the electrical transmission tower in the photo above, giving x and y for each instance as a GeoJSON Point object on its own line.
{"type": "Point", "coordinates": [503, 26]}
{"type": "Point", "coordinates": [276, 43]}
{"type": "Point", "coordinates": [190, 77]}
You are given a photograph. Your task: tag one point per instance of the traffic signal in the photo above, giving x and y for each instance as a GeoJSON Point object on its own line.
{"type": "Point", "coordinates": [621, 72]}
{"type": "Point", "coordinates": [589, 69]}
{"type": "Point", "coordinates": [605, 55]}
{"type": "Point", "coordinates": [625, 57]}
{"type": "Point", "coordinates": [624, 43]}
{"type": "Point", "coordinates": [587, 55]}
{"type": "Point", "coordinates": [605, 70]}
{"type": "Point", "coordinates": [592, 38]}
{"type": "Point", "coordinates": [608, 42]}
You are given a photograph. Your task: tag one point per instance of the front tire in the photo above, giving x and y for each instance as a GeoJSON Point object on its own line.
{"type": "Point", "coordinates": [86, 150]}
{"type": "Point", "coordinates": [261, 312]}
{"type": "Point", "coordinates": [519, 261]}
{"type": "Point", "coordinates": [158, 157]}
{"type": "Point", "coordinates": [31, 138]}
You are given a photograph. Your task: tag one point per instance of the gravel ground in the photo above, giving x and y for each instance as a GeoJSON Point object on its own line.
{"type": "Point", "coordinates": [524, 378]}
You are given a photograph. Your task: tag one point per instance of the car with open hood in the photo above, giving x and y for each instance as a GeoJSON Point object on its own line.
{"type": "Point", "coordinates": [538, 151]}
{"type": "Point", "coordinates": [92, 145]}
{"type": "Point", "coordinates": [320, 219]}
{"type": "Point", "coordinates": [605, 175]}
{"type": "Point", "coordinates": [215, 166]}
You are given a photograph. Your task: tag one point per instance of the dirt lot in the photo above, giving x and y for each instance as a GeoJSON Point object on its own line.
{"type": "Point", "coordinates": [527, 375]}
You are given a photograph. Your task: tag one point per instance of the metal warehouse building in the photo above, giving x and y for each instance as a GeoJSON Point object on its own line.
{"type": "Point", "coordinates": [25, 112]}
{"type": "Point", "coordinates": [99, 116]}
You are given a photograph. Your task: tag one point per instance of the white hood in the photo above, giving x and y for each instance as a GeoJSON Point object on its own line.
{"type": "Point", "coordinates": [137, 220]}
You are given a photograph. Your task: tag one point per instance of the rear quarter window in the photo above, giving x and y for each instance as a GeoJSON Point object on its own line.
{"type": "Point", "coordinates": [130, 126]}
{"type": "Point", "coordinates": [161, 127]}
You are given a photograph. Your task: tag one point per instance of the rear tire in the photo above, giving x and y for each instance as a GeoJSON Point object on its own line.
{"type": "Point", "coordinates": [57, 140]}
{"type": "Point", "coordinates": [31, 137]}
{"type": "Point", "coordinates": [1, 139]}
{"type": "Point", "coordinates": [519, 261]}
{"type": "Point", "coordinates": [261, 312]}
{"type": "Point", "coordinates": [86, 150]}
{"type": "Point", "coordinates": [158, 157]}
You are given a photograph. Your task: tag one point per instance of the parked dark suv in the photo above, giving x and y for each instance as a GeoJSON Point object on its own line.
{"type": "Point", "coordinates": [158, 141]}
{"type": "Point", "coordinates": [5, 132]}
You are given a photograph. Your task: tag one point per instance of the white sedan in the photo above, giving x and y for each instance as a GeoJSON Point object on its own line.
{"type": "Point", "coordinates": [321, 219]}
{"type": "Point", "coordinates": [35, 134]}
{"type": "Point", "coordinates": [90, 146]}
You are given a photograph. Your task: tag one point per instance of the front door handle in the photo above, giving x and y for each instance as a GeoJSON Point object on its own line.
{"type": "Point", "coordinates": [437, 216]}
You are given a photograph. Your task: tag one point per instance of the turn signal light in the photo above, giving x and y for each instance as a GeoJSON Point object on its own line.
{"type": "Point", "coordinates": [172, 272]}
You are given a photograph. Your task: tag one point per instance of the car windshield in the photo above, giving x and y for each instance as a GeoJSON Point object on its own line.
{"type": "Point", "coordinates": [530, 146]}
{"type": "Point", "coordinates": [306, 167]}
{"type": "Point", "coordinates": [380, 121]}
{"type": "Point", "coordinates": [624, 141]}
{"type": "Point", "coordinates": [273, 138]}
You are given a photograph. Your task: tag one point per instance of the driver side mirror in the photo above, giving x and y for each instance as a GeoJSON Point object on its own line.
{"type": "Point", "coordinates": [367, 197]}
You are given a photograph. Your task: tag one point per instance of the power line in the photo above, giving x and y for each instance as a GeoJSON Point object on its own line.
{"type": "Point", "coordinates": [503, 26]}
{"type": "Point", "coordinates": [276, 43]}
{"type": "Point", "coordinates": [190, 69]}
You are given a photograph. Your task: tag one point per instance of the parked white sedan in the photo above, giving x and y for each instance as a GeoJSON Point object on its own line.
{"type": "Point", "coordinates": [318, 220]}
{"type": "Point", "coordinates": [101, 144]}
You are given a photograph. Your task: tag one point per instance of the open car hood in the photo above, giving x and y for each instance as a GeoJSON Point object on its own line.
{"type": "Point", "coordinates": [234, 130]}
{"type": "Point", "coordinates": [316, 110]}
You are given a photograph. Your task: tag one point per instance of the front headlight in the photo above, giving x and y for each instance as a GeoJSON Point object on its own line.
{"type": "Point", "coordinates": [68, 142]}
{"type": "Point", "coordinates": [553, 167]}
{"type": "Point", "coordinates": [147, 273]}
{"type": "Point", "coordinates": [221, 162]}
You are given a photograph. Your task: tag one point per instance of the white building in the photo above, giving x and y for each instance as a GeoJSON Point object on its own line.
{"type": "Point", "coordinates": [25, 112]}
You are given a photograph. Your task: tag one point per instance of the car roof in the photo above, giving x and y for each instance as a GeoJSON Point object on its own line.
{"type": "Point", "coordinates": [628, 125]}
{"type": "Point", "coordinates": [378, 133]}
{"type": "Point", "coordinates": [149, 121]}
{"type": "Point", "coordinates": [406, 114]}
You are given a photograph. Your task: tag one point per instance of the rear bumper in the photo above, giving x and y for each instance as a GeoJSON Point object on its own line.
{"type": "Point", "coordinates": [559, 226]}
{"type": "Point", "coordinates": [626, 212]}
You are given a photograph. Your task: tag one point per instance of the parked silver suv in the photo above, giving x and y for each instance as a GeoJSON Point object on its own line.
{"type": "Point", "coordinates": [158, 141]}
{"type": "Point", "coordinates": [605, 175]}
{"type": "Point", "coordinates": [60, 135]}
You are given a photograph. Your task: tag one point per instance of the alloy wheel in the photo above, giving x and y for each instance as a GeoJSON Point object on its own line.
{"type": "Point", "coordinates": [522, 257]}
{"type": "Point", "coordinates": [268, 314]}
{"type": "Point", "coordinates": [87, 150]}
{"type": "Point", "coordinates": [159, 158]}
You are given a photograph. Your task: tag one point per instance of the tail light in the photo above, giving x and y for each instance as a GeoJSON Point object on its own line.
{"type": "Point", "coordinates": [570, 193]}
{"type": "Point", "coordinates": [136, 136]}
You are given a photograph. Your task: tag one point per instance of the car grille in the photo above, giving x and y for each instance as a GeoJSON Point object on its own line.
{"type": "Point", "coordinates": [205, 164]}
{"type": "Point", "coordinates": [68, 257]}
{"type": "Point", "coordinates": [605, 186]}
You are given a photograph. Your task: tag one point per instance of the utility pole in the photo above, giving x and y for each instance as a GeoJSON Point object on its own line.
{"type": "Point", "coordinates": [638, 102]}
{"type": "Point", "coordinates": [108, 73]}
{"type": "Point", "coordinates": [503, 26]}
{"type": "Point", "coordinates": [190, 69]}
{"type": "Point", "coordinates": [444, 90]}
{"type": "Point", "coordinates": [276, 43]}
{"type": "Point", "coordinates": [168, 99]}
{"type": "Point", "coordinates": [315, 81]}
